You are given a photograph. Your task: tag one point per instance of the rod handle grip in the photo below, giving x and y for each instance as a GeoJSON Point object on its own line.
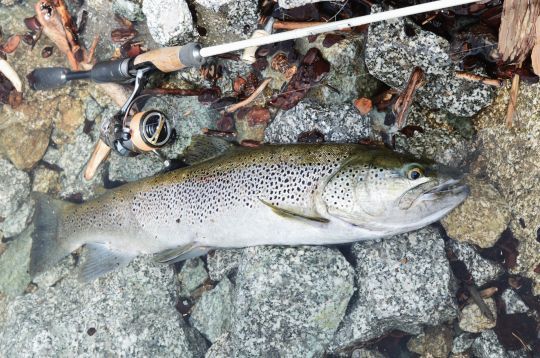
{"type": "Point", "coordinates": [170, 59]}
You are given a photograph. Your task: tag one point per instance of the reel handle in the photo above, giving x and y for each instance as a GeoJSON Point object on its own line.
{"type": "Point", "coordinates": [100, 153]}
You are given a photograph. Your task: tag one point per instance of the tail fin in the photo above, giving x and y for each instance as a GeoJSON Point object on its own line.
{"type": "Point", "coordinates": [47, 248]}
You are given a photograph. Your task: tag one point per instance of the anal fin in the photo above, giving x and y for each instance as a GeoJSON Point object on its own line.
{"type": "Point", "coordinates": [100, 259]}
{"type": "Point", "coordinates": [180, 253]}
{"type": "Point", "coordinates": [292, 213]}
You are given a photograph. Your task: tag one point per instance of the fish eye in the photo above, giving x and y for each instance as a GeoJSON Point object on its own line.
{"type": "Point", "coordinates": [415, 173]}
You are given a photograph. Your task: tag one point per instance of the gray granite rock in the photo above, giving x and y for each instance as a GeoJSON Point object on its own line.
{"type": "Point", "coordinates": [403, 283]}
{"type": "Point", "coordinates": [14, 192]}
{"type": "Point", "coordinates": [444, 139]}
{"type": "Point", "coordinates": [129, 312]}
{"type": "Point", "coordinates": [366, 353]}
{"type": "Point", "coordinates": [514, 304]}
{"type": "Point", "coordinates": [435, 342]}
{"type": "Point", "coordinates": [392, 54]}
{"type": "Point", "coordinates": [14, 277]}
{"type": "Point", "coordinates": [222, 262]}
{"type": "Point", "coordinates": [338, 123]}
{"type": "Point", "coordinates": [488, 346]}
{"type": "Point", "coordinates": [482, 217]}
{"type": "Point", "coordinates": [471, 318]}
{"type": "Point", "coordinates": [508, 159]}
{"type": "Point", "coordinates": [15, 224]}
{"type": "Point", "coordinates": [221, 348]}
{"type": "Point", "coordinates": [348, 74]}
{"type": "Point", "coordinates": [130, 9]}
{"type": "Point", "coordinates": [289, 301]}
{"type": "Point", "coordinates": [482, 270]}
{"type": "Point", "coordinates": [462, 343]}
{"type": "Point", "coordinates": [169, 22]}
{"type": "Point", "coordinates": [72, 158]}
{"type": "Point", "coordinates": [191, 276]}
{"type": "Point", "coordinates": [211, 315]}
{"type": "Point", "coordinates": [14, 189]}
{"type": "Point", "coordinates": [226, 20]}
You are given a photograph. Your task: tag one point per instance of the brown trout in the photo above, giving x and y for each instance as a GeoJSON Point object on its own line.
{"type": "Point", "coordinates": [305, 194]}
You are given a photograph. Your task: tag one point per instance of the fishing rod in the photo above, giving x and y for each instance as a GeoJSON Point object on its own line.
{"type": "Point", "coordinates": [131, 134]}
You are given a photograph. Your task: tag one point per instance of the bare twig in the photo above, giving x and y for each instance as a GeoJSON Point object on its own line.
{"type": "Point", "coordinates": [404, 101]}
{"type": "Point", "coordinates": [254, 95]}
{"type": "Point", "coordinates": [53, 28]}
{"type": "Point", "coordinates": [477, 78]}
{"type": "Point", "coordinates": [429, 19]}
{"type": "Point", "coordinates": [477, 298]}
{"type": "Point", "coordinates": [514, 91]}
{"type": "Point", "coordinates": [172, 91]}
{"type": "Point", "coordinates": [216, 133]}
{"type": "Point", "coordinates": [9, 72]}
{"type": "Point", "coordinates": [525, 345]}
{"type": "Point", "coordinates": [91, 52]}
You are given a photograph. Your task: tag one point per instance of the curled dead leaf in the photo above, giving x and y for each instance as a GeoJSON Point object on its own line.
{"type": "Point", "coordinates": [11, 44]}
{"type": "Point", "coordinates": [15, 99]}
{"type": "Point", "coordinates": [32, 23]}
{"type": "Point", "coordinates": [47, 51]}
{"type": "Point", "coordinates": [123, 35]}
{"type": "Point", "coordinates": [363, 105]}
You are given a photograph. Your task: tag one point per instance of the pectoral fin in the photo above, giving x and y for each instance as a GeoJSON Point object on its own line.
{"type": "Point", "coordinates": [180, 253]}
{"type": "Point", "coordinates": [294, 213]}
{"type": "Point", "coordinates": [100, 259]}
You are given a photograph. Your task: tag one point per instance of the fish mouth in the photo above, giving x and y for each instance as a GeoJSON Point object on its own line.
{"type": "Point", "coordinates": [452, 187]}
{"type": "Point", "coordinates": [431, 191]}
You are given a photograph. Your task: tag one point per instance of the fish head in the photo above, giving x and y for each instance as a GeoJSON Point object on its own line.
{"type": "Point", "coordinates": [390, 193]}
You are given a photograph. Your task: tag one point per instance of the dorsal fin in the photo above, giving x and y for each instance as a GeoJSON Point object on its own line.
{"type": "Point", "coordinates": [203, 148]}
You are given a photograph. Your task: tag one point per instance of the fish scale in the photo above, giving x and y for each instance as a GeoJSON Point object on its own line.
{"type": "Point", "coordinates": [277, 194]}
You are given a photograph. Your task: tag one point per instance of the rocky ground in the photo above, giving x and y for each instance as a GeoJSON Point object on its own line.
{"type": "Point", "coordinates": [467, 287]}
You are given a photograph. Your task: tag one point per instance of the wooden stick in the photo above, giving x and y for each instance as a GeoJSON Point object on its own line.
{"type": "Point", "coordinates": [477, 298]}
{"type": "Point", "coordinates": [90, 56]}
{"type": "Point", "coordinates": [172, 91]}
{"type": "Point", "coordinates": [53, 28]}
{"type": "Point", "coordinates": [482, 79]}
{"type": "Point", "coordinates": [258, 91]}
{"type": "Point", "coordinates": [404, 101]}
{"type": "Point", "coordinates": [512, 103]}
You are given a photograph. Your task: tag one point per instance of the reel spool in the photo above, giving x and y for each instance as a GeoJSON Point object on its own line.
{"type": "Point", "coordinates": [149, 130]}
{"type": "Point", "coordinates": [141, 133]}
